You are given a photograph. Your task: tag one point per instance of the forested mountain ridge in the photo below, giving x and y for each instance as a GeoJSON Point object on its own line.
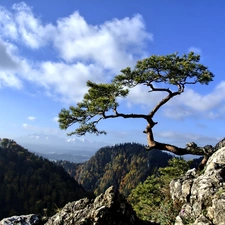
{"type": "Point", "coordinates": [122, 166]}
{"type": "Point", "coordinates": [29, 183]}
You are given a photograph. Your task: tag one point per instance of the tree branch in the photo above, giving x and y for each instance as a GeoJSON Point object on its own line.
{"type": "Point", "coordinates": [132, 115]}
{"type": "Point", "coordinates": [158, 89]}
{"type": "Point", "coordinates": [162, 102]}
{"type": "Point", "coordinates": [167, 98]}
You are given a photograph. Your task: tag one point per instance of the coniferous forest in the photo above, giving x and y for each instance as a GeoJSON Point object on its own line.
{"type": "Point", "coordinates": [121, 165]}
{"type": "Point", "coordinates": [31, 184]}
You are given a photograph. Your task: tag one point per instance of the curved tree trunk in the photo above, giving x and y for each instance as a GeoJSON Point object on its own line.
{"type": "Point", "coordinates": [191, 148]}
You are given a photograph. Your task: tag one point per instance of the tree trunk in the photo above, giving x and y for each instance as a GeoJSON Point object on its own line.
{"type": "Point", "coordinates": [191, 148]}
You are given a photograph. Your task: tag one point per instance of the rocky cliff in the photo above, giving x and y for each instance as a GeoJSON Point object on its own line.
{"type": "Point", "coordinates": [109, 208]}
{"type": "Point", "coordinates": [202, 195]}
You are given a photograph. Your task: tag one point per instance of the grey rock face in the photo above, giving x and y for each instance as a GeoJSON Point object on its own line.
{"type": "Point", "coordinates": [109, 208]}
{"type": "Point", "coordinates": [202, 196]}
{"type": "Point", "coordinates": [31, 219]}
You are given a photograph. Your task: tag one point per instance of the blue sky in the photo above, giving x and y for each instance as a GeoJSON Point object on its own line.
{"type": "Point", "coordinates": [49, 49]}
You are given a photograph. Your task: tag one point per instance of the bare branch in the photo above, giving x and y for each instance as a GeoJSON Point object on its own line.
{"type": "Point", "coordinates": [158, 89]}
{"type": "Point", "coordinates": [162, 102]}
{"type": "Point", "coordinates": [126, 116]}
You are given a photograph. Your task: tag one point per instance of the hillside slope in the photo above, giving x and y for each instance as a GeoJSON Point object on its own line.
{"type": "Point", "coordinates": [29, 183]}
{"type": "Point", "coordinates": [122, 166]}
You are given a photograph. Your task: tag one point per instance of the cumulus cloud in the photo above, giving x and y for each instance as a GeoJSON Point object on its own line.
{"type": "Point", "coordinates": [9, 80]}
{"type": "Point", "coordinates": [140, 95]}
{"type": "Point", "coordinates": [63, 82]}
{"type": "Point", "coordinates": [21, 25]}
{"type": "Point", "coordinates": [8, 60]}
{"type": "Point", "coordinates": [7, 24]}
{"type": "Point", "coordinates": [190, 102]}
{"type": "Point", "coordinates": [9, 64]}
{"type": "Point", "coordinates": [111, 44]}
{"type": "Point", "coordinates": [82, 51]}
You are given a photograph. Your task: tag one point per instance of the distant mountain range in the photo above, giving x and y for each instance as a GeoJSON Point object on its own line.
{"type": "Point", "coordinates": [72, 149]}
{"type": "Point", "coordinates": [58, 148]}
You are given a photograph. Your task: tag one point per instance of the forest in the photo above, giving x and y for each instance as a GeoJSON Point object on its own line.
{"type": "Point", "coordinates": [121, 165]}
{"type": "Point", "coordinates": [31, 184]}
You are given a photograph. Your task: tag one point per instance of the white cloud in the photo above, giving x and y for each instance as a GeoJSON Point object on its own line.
{"type": "Point", "coordinates": [8, 61]}
{"type": "Point", "coordinates": [7, 24]}
{"type": "Point", "coordinates": [177, 112]}
{"type": "Point", "coordinates": [140, 95]}
{"type": "Point", "coordinates": [189, 103]}
{"type": "Point", "coordinates": [23, 26]}
{"type": "Point", "coordinates": [64, 82]}
{"type": "Point", "coordinates": [31, 118]}
{"type": "Point", "coordinates": [86, 51]}
{"type": "Point", "coordinates": [9, 65]}
{"type": "Point", "coordinates": [209, 105]}
{"type": "Point", "coordinates": [111, 44]}
{"type": "Point", "coordinates": [9, 80]}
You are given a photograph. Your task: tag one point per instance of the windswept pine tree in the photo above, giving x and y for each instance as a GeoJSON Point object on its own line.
{"type": "Point", "coordinates": [101, 101]}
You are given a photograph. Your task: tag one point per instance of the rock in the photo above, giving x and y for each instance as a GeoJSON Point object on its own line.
{"type": "Point", "coordinates": [31, 219]}
{"type": "Point", "coordinates": [109, 208]}
{"type": "Point", "coordinates": [202, 195]}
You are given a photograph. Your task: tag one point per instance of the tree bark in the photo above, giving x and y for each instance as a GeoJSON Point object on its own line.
{"type": "Point", "coordinates": [191, 148]}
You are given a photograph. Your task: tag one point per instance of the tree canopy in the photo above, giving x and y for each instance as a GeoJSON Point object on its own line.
{"type": "Point", "coordinates": [101, 100]}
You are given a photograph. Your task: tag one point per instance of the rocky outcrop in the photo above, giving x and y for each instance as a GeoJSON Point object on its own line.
{"type": "Point", "coordinates": [31, 219]}
{"type": "Point", "coordinates": [202, 195]}
{"type": "Point", "coordinates": [109, 208]}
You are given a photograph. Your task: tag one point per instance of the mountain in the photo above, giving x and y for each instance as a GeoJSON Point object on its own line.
{"type": "Point", "coordinates": [57, 148]}
{"type": "Point", "coordinates": [29, 183]}
{"type": "Point", "coordinates": [122, 166]}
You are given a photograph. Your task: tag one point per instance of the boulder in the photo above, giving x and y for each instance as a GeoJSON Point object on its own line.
{"type": "Point", "coordinates": [202, 195]}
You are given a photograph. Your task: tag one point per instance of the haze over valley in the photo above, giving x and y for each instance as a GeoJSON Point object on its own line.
{"type": "Point", "coordinates": [54, 147]}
